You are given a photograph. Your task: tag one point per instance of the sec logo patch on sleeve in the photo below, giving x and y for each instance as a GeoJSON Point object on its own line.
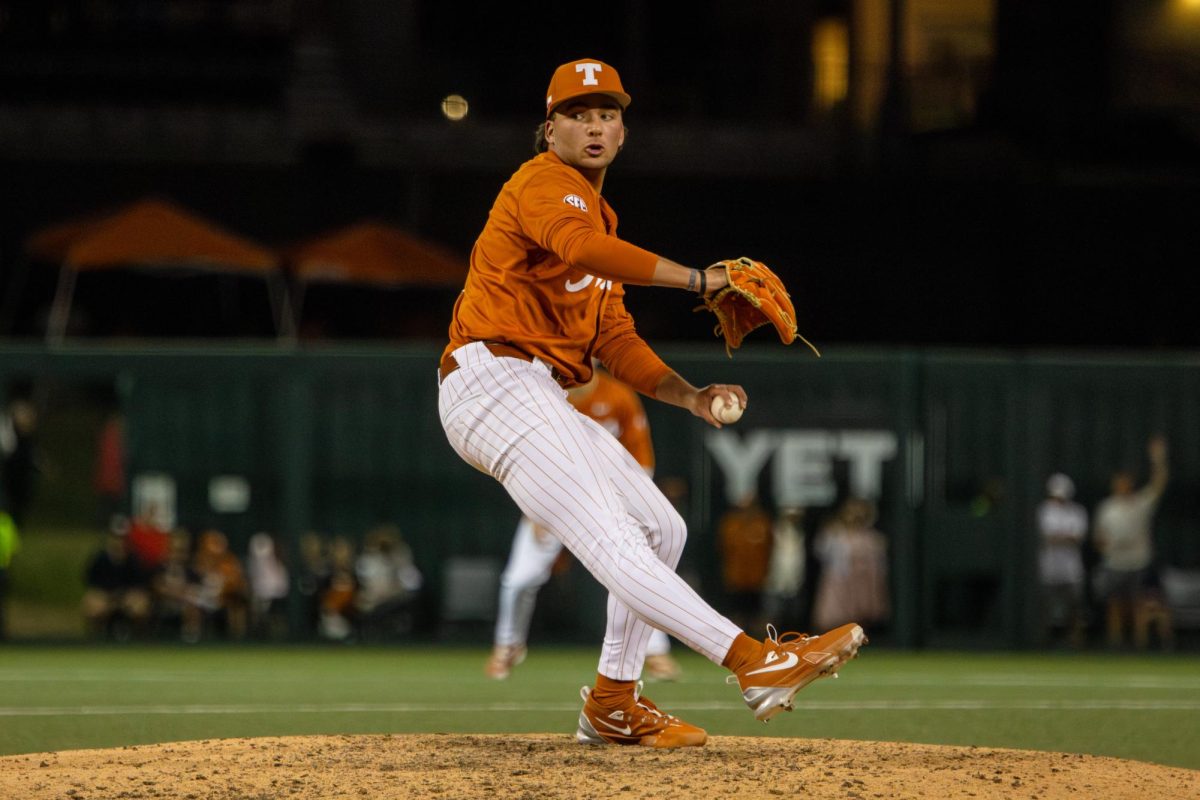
{"type": "Point", "coordinates": [577, 201]}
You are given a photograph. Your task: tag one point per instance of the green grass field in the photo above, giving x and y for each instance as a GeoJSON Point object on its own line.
{"type": "Point", "coordinates": [71, 697]}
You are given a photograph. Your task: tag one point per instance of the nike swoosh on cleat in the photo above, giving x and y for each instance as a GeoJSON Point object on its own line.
{"type": "Point", "coordinates": [626, 731]}
{"type": "Point", "coordinates": [789, 661]}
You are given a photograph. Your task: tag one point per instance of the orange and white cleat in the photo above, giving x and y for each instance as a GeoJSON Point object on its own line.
{"type": "Point", "coordinates": [792, 661]}
{"type": "Point", "coordinates": [661, 667]}
{"type": "Point", "coordinates": [504, 657]}
{"type": "Point", "coordinates": [640, 723]}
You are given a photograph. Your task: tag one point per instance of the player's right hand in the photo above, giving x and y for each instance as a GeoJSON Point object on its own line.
{"type": "Point", "coordinates": [701, 404]}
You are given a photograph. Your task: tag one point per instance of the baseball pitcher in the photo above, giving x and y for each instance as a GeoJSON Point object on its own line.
{"type": "Point", "coordinates": [544, 295]}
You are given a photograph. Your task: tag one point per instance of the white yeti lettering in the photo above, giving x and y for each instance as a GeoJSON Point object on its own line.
{"type": "Point", "coordinates": [802, 472]}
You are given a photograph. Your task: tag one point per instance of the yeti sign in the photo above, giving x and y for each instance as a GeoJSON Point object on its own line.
{"type": "Point", "coordinates": [802, 469]}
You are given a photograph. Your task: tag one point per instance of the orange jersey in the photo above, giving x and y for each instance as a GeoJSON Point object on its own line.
{"type": "Point", "coordinates": [617, 408]}
{"type": "Point", "coordinates": [546, 277]}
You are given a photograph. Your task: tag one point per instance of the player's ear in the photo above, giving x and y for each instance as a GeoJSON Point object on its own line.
{"type": "Point", "coordinates": [624, 135]}
{"type": "Point", "coordinates": [550, 131]}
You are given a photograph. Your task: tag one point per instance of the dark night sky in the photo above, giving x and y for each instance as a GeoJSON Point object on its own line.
{"type": "Point", "coordinates": [1056, 219]}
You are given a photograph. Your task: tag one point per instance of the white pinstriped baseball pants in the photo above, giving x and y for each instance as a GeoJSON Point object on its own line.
{"type": "Point", "coordinates": [508, 418]}
{"type": "Point", "coordinates": [530, 563]}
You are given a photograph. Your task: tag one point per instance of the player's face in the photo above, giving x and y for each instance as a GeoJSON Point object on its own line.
{"type": "Point", "coordinates": [587, 133]}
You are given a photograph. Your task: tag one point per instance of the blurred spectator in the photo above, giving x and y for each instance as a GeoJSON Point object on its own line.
{"type": "Point", "coordinates": [853, 586]}
{"type": "Point", "coordinates": [177, 590]}
{"type": "Point", "coordinates": [268, 587]}
{"type": "Point", "coordinates": [785, 577]}
{"type": "Point", "coordinates": [336, 593]}
{"type": "Point", "coordinates": [388, 580]}
{"type": "Point", "coordinates": [108, 475]}
{"type": "Point", "coordinates": [224, 594]}
{"type": "Point", "coordinates": [1126, 582]}
{"type": "Point", "coordinates": [1062, 527]}
{"type": "Point", "coordinates": [147, 541]}
{"type": "Point", "coordinates": [744, 536]}
{"type": "Point", "coordinates": [313, 574]}
{"type": "Point", "coordinates": [116, 600]}
{"type": "Point", "coordinates": [10, 543]}
{"type": "Point", "coordinates": [18, 456]}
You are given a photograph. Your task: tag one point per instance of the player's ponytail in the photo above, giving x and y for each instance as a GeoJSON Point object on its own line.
{"type": "Point", "coordinates": [540, 145]}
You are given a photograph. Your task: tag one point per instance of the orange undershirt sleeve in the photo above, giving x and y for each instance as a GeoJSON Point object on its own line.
{"type": "Point", "coordinates": [609, 257]}
{"type": "Point", "coordinates": [624, 353]}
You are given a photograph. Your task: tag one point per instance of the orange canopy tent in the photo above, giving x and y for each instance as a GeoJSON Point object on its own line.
{"type": "Point", "coordinates": [151, 234]}
{"type": "Point", "coordinates": [376, 254]}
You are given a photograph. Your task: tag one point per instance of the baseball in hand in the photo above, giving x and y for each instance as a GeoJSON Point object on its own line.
{"type": "Point", "coordinates": [726, 409]}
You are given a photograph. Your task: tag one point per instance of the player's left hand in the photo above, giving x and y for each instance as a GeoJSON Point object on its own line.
{"type": "Point", "coordinates": [701, 404]}
{"type": "Point", "coordinates": [750, 296]}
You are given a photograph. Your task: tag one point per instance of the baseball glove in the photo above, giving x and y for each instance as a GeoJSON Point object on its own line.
{"type": "Point", "coordinates": [754, 297]}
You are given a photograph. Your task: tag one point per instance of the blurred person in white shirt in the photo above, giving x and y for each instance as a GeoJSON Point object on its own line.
{"type": "Point", "coordinates": [268, 587]}
{"type": "Point", "coordinates": [1126, 581]}
{"type": "Point", "coordinates": [1062, 528]}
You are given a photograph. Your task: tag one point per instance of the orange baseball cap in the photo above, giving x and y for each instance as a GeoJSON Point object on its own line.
{"type": "Point", "coordinates": [585, 76]}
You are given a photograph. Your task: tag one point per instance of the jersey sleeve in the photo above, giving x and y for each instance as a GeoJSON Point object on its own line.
{"type": "Point", "coordinates": [625, 354]}
{"type": "Point", "coordinates": [550, 212]}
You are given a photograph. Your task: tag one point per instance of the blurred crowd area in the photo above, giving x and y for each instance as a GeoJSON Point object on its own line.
{"type": "Point", "coordinates": [147, 576]}
{"type": "Point", "coordinates": [1098, 578]}
{"type": "Point", "coordinates": [1107, 566]}
{"type": "Point", "coordinates": [1097, 574]}
{"type": "Point", "coordinates": [149, 583]}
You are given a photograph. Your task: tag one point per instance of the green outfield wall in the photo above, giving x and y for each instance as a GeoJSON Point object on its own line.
{"type": "Point", "coordinates": [954, 446]}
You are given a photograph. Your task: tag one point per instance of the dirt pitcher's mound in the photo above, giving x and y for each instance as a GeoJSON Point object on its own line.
{"type": "Point", "coordinates": [554, 766]}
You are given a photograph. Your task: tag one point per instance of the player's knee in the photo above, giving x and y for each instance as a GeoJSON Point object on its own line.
{"type": "Point", "coordinates": [513, 581]}
{"type": "Point", "coordinates": [523, 580]}
{"type": "Point", "coordinates": [672, 530]}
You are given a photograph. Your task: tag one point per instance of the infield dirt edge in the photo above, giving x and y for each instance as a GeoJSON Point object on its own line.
{"type": "Point", "coordinates": [555, 766]}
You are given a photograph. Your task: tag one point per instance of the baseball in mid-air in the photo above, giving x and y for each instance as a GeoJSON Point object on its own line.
{"type": "Point", "coordinates": [455, 107]}
{"type": "Point", "coordinates": [726, 409]}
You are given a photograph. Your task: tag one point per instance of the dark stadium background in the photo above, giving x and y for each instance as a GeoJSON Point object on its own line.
{"type": "Point", "coordinates": [1040, 191]}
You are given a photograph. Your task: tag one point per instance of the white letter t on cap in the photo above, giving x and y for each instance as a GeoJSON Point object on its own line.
{"type": "Point", "coordinates": [591, 70]}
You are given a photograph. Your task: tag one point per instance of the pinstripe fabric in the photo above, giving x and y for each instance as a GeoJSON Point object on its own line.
{"type": "Point", "coordinates": [528, 569]}
{"type": "Point", "coordinates": [508, 418]}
